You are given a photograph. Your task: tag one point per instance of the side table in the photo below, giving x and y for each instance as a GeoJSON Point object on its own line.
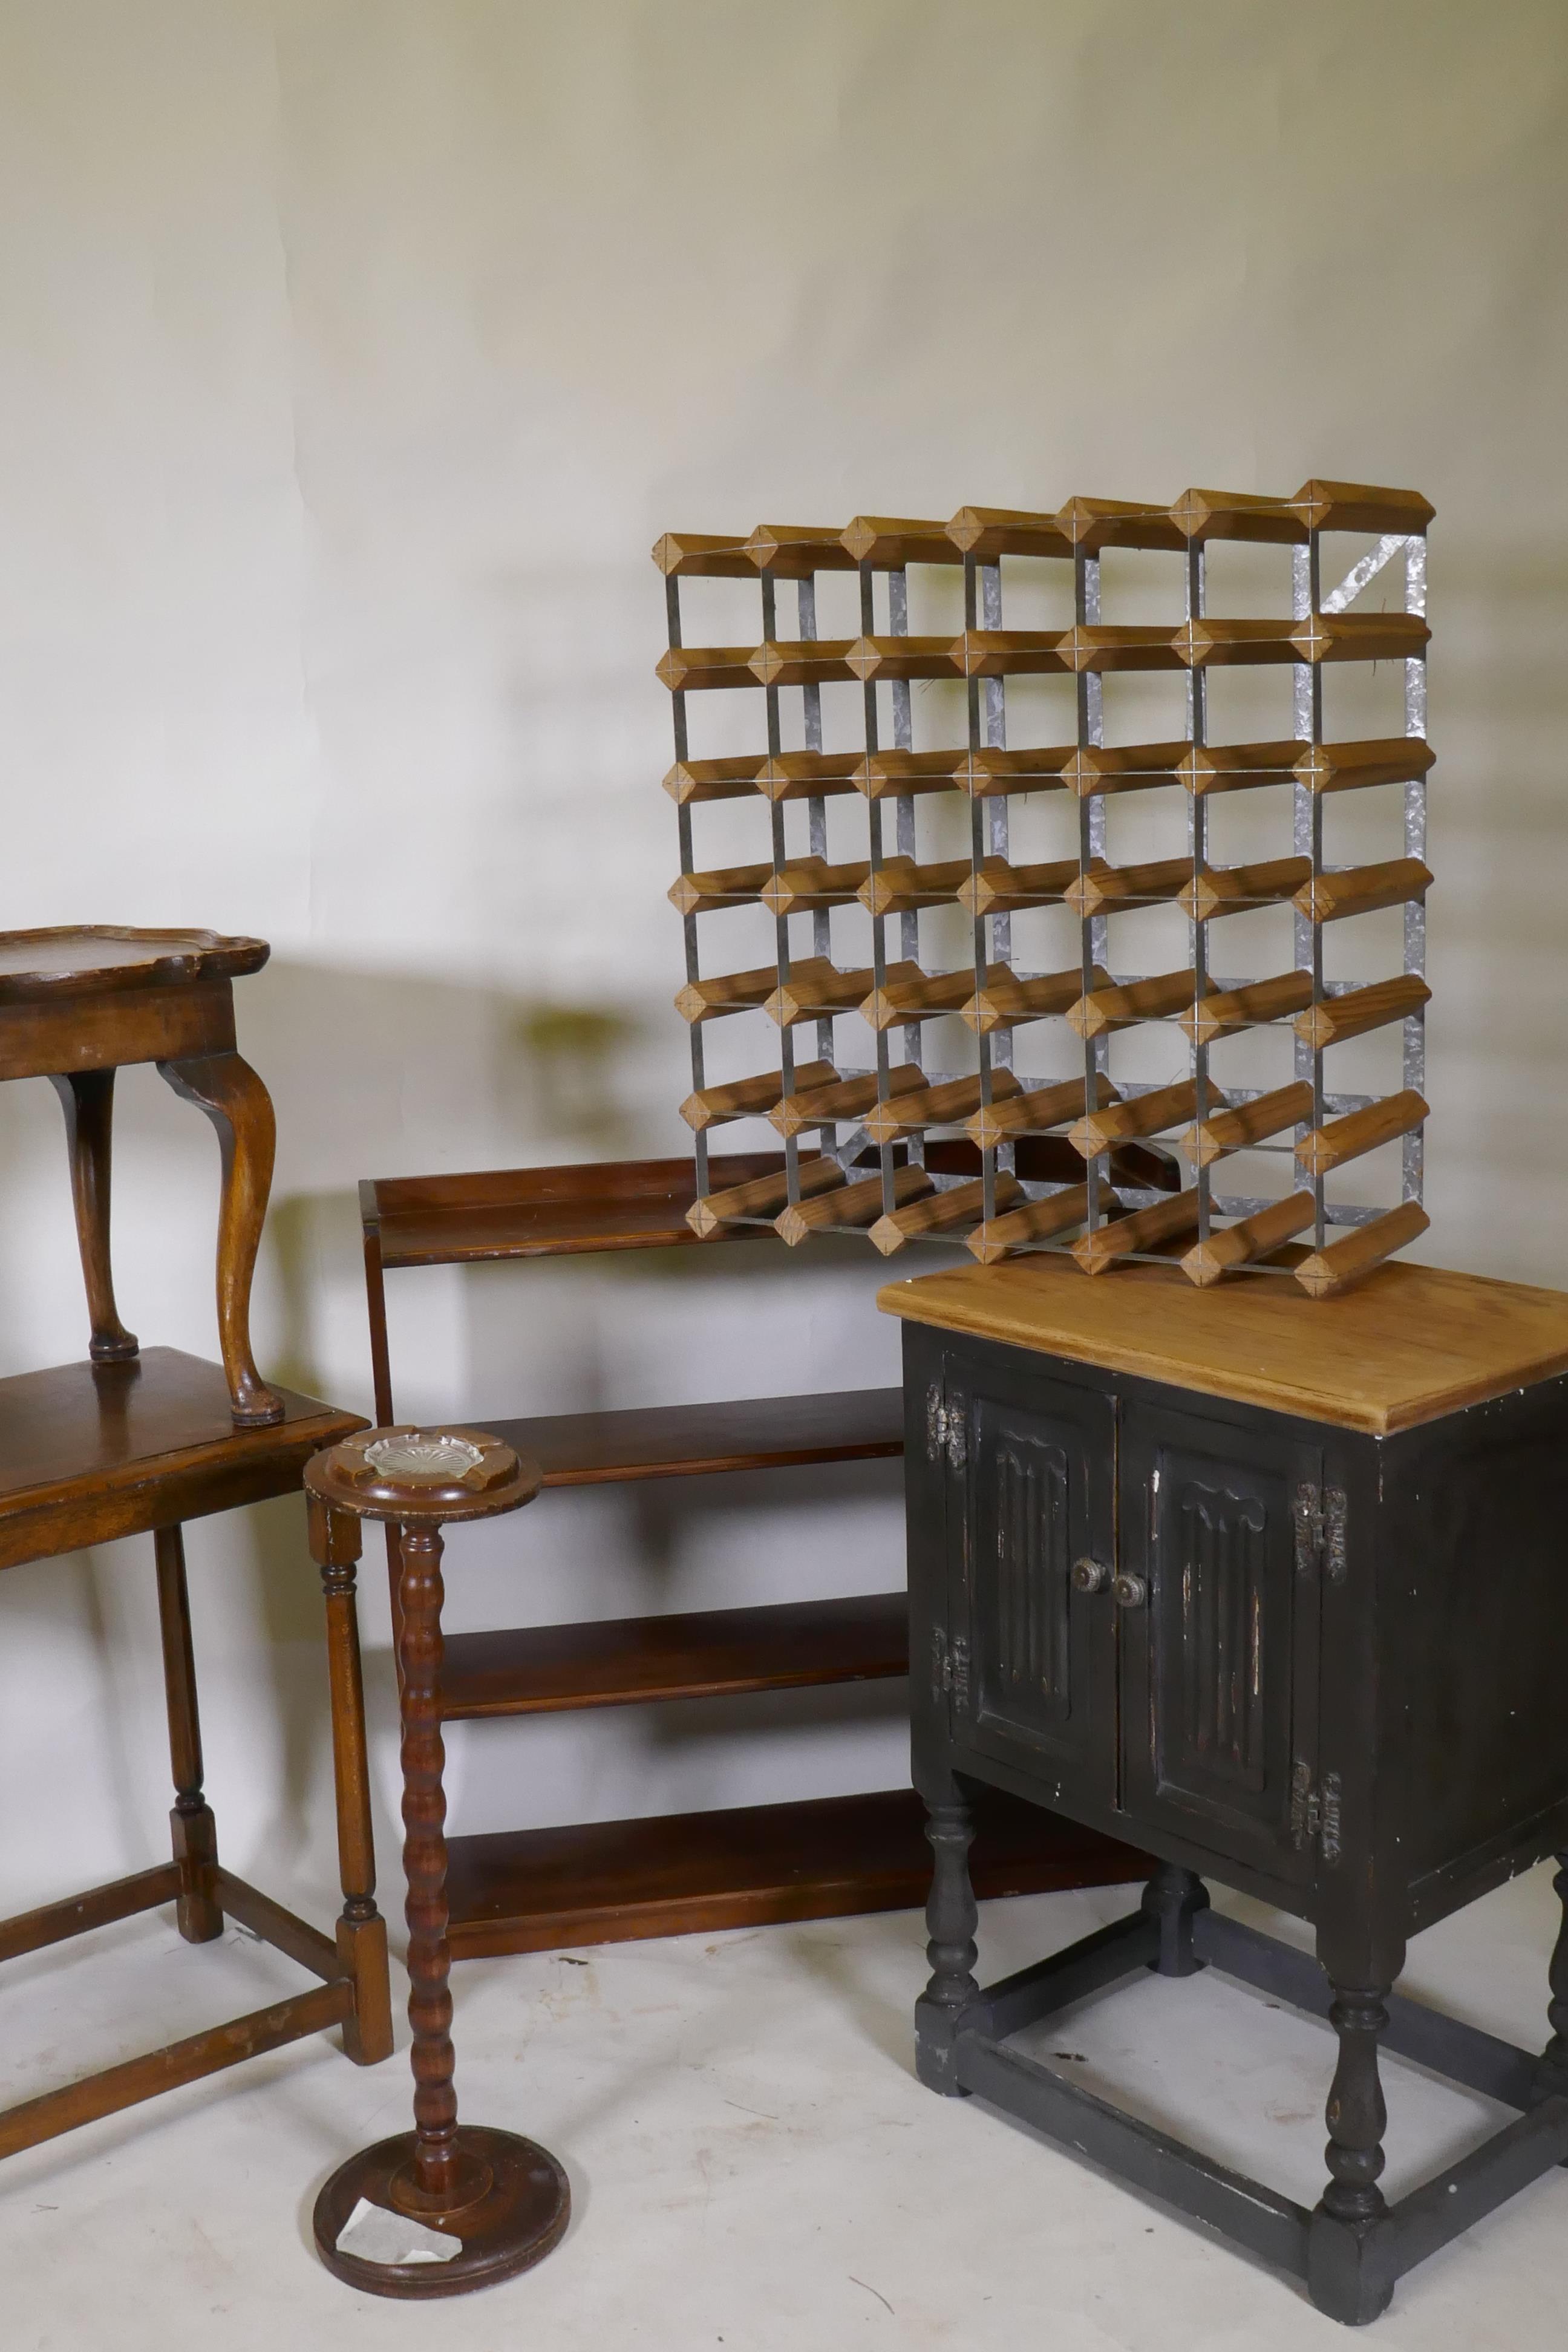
{"type": "Point", "coordinates": [90, 1453]}
{"type": "Point", "coordinates": [497, 2203]}
{"type": "Point", "coordinates": [1273, 1588]}
{"type": "Point", "coordinates": [77, 1005]}
{"type": "Point", "coordinates": [136, 1443]}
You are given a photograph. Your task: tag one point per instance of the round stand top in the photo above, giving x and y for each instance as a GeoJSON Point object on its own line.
{"type": "Point", "coordinates": [422, 1477]}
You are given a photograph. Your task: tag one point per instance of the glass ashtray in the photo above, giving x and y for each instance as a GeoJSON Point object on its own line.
{"type": "Point", "coordinates": [422, 1458]}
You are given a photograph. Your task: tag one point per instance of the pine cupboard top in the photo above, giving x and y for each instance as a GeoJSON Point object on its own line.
{"type": "Point", "coordinates": [1412, 1343]}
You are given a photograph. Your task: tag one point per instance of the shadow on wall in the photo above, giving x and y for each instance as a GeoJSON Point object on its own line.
{"type": "Point", "coordinates": [377, 1075]}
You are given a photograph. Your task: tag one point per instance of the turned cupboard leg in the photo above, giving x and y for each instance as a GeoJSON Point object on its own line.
{"type": "Point", "coordinates": [1350, 2271]}
{"type": "Point", "coordinates": [951, 1918]}
{"type": "Point", "coordinates": [1173, 1899]}
{"type": "Point", "coordinates": [1553, 2068]}
{"type": "Point", "coordinates": [195, 1829]}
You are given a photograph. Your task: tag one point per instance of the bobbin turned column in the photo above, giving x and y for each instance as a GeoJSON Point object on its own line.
{"type": "Point", "coordinates": [504, 2200]}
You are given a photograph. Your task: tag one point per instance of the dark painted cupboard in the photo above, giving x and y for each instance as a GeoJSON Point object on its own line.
{"type": "Point", "coordinates": [1315, 1653]}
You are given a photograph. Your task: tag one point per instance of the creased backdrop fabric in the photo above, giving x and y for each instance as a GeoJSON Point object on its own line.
{"type": "Point", "coordinates": [351, 355]}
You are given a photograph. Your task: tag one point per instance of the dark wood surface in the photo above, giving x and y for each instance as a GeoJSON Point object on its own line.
{"type": "Point", "coordinates": [420, 1477]}
{"type": "Point", "coordinates": [88, 1452]}
{"type": "Point", "coordinates": [622, 1662]}
{"type": "Point", "coordinates": [85, 959]}
{"type": "Point", "coordinates": [616, 1205]}
{"type": "Point", "coordinates": [627, 1204]}
{"type": "Point", "coordinates": [685, 1441]}
{"type": "Point", "coordinates": [599, 1883]}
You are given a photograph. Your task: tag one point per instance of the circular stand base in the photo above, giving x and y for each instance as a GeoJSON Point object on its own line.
{"type": "Point", "coordinates": [514, 2224]}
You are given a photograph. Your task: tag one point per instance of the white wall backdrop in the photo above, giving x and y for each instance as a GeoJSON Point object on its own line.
{"type": "Point", "coordinates": [351, 354]}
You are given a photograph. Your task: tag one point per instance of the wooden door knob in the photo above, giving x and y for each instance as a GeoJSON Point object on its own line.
{"type": "Point", "coordinates": [1091, 1575]}
{"type": "Point", "coordinates": [1129, 1592]}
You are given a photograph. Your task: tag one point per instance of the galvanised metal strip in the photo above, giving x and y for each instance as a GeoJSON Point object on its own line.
{"type": "Point", "coordinates": [904, 810]}
{"type": "Point", "coordinates": [688, 922]}
{"type": "Point", "coordinates": [1414, 1071]}
{"type": "Point", "coordinates": [1095, 931]}
{"type": "Point", "coordinates": [977, 852]}
{"type": "Point", "coordinates": [875, 853]}
{"type": "Point", "coordinates": [781, 922]}
{"type": "Point", "coordinates": [816, 807]}
{"type": "Point", "coordinates": [1198, 843]}
{"type": "Point", "coordinates": [1308, 698]}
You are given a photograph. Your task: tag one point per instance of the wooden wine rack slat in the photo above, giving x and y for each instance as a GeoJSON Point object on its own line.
{"type": "Point", "coordinates": [859, 937]}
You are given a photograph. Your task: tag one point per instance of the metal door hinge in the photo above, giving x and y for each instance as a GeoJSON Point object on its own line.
{"type": "Point", "coordinates": [1322, 1517]}
{"type": "Point", "coordinates": [950, 1668]}
{"type": "Point", "coordinates": [1315, 1812]}
{"type": "Point", "coordinates": [946, 1433]}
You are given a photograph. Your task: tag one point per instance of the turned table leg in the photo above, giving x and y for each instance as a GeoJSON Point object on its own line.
{"type": "Point", "coordinates": [499, 2202]}
{"type": "Point", "coordinates": [1350, 2271]}
{"type": "Point", "coordinates": [362, 1930]}
{"type": "Point", "coordinates": [86, 1097]}
{"type": "Point", "coordinates": [440, 2179]}
{"type": "Point", "coordinates": [195, 1829]}
{"type": "Point", "coordinates": [240, 1108]}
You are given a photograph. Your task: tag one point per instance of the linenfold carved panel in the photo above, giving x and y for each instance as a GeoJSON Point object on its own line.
{"type": "Point", "coordinates": [1023, 1581]}
{"type": "Point", "coordinates": [1033, 1568]}
{"type": "Point", "coordinates": [1222, 1554]}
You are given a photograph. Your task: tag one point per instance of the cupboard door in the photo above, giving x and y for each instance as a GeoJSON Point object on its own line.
{"type": "Point", "coordinates": [1218, 1635]}
{"type": "Point", "coordinates": [1037, 1680]}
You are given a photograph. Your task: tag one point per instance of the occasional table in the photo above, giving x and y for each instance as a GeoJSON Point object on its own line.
{"type": "Point", "coordinates": [77, 1005]}
{"type": "Point", "coordinates": [91, 1453]}
{"type": "Point", "coordinates": [1277, 1590]}
{"type": "Point", "coordinates": [137, 1442]}
{"type": "Point", "coordinates": [485, 2203]}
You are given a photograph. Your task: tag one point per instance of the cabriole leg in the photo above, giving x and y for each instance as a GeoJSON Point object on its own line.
{"type": "Point", "coordinates": [86, 1098]}
{"type": "Point", "coordinates": [240, 1109]}
{"type": "Point", "coordinates": [195, 1829]}
{"type": "Point", "coordinates": [1350, 2265]}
